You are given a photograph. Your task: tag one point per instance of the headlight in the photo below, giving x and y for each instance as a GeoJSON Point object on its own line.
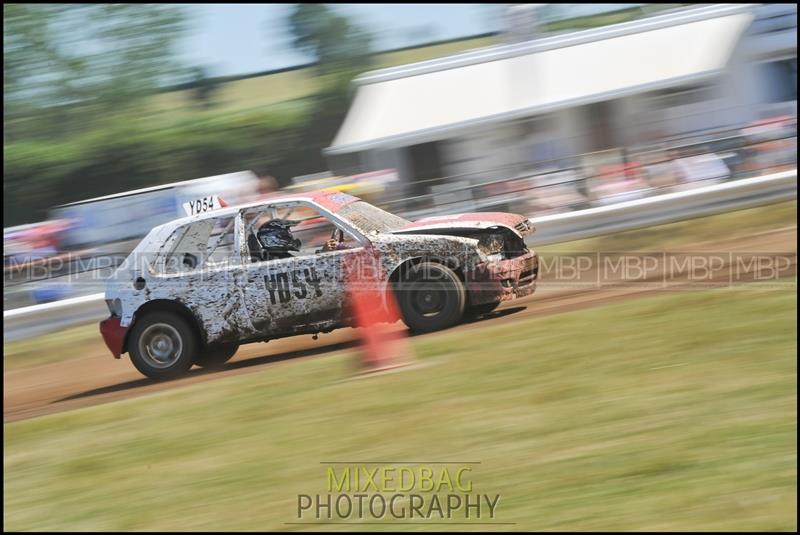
{"type": "Point", "coordinates": [494, 257]}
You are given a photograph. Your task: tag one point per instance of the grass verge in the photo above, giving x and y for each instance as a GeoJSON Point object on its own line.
{"type": "Point", "coordinates": [676, 412]}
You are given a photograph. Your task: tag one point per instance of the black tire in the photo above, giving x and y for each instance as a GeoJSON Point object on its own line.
{"type": "Point", "coordinates": [480, 310]}
{"type": "Point", "coordinates": [162, 345]}
{"type": "Point", "coordinates": [216, 356]}
{"type": "Point", "coordinates": [431, 297]}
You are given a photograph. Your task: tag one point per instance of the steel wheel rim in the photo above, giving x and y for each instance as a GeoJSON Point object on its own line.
{"type": "Point", "coordinates": [429, 300]}
{"type": "Point", "coordinates": [160, 345]}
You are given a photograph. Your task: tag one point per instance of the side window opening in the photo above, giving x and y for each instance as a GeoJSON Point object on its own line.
{"type": "Point", "coordinates": [268, 239]}
{"type": "Point", "coordinates": [199, 245]}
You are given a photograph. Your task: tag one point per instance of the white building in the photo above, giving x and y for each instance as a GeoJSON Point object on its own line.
{"type": "Point", "coordinates": [496, 110]}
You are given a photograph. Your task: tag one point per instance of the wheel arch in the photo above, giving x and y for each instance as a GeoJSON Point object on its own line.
{"type": "Point", "coordinates": [407, 264]}
{"type": "Point", "coordinates": [166, 305]}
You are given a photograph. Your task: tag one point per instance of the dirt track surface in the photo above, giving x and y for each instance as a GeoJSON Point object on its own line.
{"type": "Point", "coordinates": [98, 378]}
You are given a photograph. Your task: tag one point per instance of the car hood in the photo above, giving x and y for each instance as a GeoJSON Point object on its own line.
{"type": "Point", "coordinates": [519, 224]}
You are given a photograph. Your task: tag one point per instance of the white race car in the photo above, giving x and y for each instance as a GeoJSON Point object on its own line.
{"type": "Point", "coordinates": [196, 288]}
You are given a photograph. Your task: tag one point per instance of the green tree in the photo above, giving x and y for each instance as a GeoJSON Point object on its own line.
{"type": "Point", "coordinates": [336, 44]}
{"type": "Point", "coordinates": [204, 87]}
{"type": "Point", "coordinates": [341, 50]}
{"type": "Point", "coordinates": [65, 65]}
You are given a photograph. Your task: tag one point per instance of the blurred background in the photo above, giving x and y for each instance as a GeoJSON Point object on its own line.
{"type": "Point", "coordinates": [604, 402]}
{"type": "Point", "coordinates": [529, 108]}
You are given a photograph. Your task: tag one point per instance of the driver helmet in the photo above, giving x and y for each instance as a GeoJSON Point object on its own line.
{"type": "Point", "coordinates": [275, 236]}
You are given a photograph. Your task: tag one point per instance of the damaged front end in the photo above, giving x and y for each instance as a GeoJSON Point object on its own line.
{"type": "Point", "coordinates": [508, 269]}
{"type": "Point", "coordinates": [502, 280]}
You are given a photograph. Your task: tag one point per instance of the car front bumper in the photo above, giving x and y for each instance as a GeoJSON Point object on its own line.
{"type": "Point", "coordinates": [503, 280]}
{"type": "Point", "coordinates": [113, 335]}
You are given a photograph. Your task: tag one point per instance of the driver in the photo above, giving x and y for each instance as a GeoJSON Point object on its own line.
{"type": "Point", "coordinates": [274, 240]}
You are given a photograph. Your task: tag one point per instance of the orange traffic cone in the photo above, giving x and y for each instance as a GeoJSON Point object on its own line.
{"type": "Point", "coordinates": [382, 347]}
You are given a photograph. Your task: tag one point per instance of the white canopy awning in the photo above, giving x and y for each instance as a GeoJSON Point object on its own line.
{"type": "Point", "coordinates": [421, 103]}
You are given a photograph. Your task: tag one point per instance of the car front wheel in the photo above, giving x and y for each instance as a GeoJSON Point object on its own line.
{"type": "Point", "coordinates": [162, 345]}
{"type": "Point", "coordinates": [431, 297]}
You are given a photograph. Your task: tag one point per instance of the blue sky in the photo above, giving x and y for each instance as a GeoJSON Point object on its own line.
{"type": "Point", "coordinates": [243, 38]}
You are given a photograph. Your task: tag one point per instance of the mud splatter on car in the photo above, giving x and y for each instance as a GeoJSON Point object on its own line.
{"type": "Point", "coordinates": [196, 288]}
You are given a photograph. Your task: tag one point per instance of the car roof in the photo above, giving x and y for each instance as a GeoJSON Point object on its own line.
{"type": "Point", "coordinates": [331, 200]}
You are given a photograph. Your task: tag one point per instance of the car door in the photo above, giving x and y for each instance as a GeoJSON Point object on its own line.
{"type": "Point", "coordinates": [305, 293]}
{"type": "Point", "coordinates": [197, 267]}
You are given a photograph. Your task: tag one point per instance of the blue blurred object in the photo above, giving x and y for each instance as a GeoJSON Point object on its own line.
{"type": "Point", "coordinates": [49, 293]}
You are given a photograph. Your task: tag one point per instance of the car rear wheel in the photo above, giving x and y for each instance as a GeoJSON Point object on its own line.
{"type": "Point", "coordinates": [162, 345]}
{"type": "Point", "coordinates": [215, 356]}
{"type": "Point", "coordinates": [431, 297]}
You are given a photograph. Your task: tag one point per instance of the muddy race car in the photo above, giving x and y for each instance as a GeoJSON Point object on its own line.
{"type": "Point", "coordinates": [196, 288]}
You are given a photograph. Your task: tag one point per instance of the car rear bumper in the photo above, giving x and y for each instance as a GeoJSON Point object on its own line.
{"type": "Point", "coordinates": [503, 280]}
{"type": "Point", "coordinates": [113, 335]}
